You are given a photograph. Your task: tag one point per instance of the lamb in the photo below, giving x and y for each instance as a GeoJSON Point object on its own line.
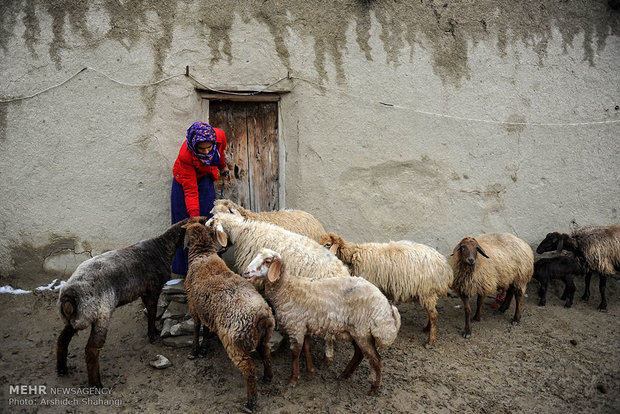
{"type": "Point", "coordinates": [596, 248]}
{"type": "Point", "coordinates": [297, 221]}
{"type": "Point", "coordinates": [109, 280]}
{"type": "Point", "coordinates": [334, 308]}
{"type": "Point", "coordinates": [229, 306]}
{"type": "Point", "coordinates": [507, 263]}
{"type": "Point", "coordinates": [306, 257]}
{"type": "Point", "coordinates": [404, 271]}
{"type": "Point", "coordinates": [556, 268]}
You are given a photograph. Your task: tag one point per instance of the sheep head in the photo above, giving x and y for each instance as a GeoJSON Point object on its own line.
{"type": "Point", "coordinates": [553, 241]}
{"type": "Point", "coordinates": [226, 207]}
{"type": "Point", "coordinates": [332, 242]}
{"type": "Point", "coordinates": [267, 264]}
{"type": "Point", "coordinates": [467, 251]}
{"type": "Point", "coordinates": [218, 232]}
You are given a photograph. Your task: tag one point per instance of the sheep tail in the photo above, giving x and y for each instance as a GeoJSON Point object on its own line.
{"type": "Point", "coordinates": [68, 305]}
{"type": "Point", "coordinates": [385, 331]}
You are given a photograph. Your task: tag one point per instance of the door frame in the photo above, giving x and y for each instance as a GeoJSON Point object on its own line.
{"type": "Point", "coordinates": [206, 96]}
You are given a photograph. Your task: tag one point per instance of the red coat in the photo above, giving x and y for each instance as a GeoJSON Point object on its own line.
{"type": "Point", "coordinates": [188, 169]}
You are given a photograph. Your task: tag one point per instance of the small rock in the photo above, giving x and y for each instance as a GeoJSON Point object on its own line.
{"type": "Point", "coordinates": [602, 388]}
{"type": "Point", "coordinates": [165, 329]}
{"type": "Point", "coordinates": [276, 341]}
{"type": "Point", "coordinates": [175, 288]}
{"type": "Point", "coordinates": [160, 362]}
{"type": "Point", "coordinates": [573, 342]}
{"type": "Point", "coordinates": [162, 304]}
{"type": "Point", "coordinates": [181, 298]}
{"type": "Point", "coordinates": [175, 311]}
{"type": "Point", "coordinates": [179, 341]}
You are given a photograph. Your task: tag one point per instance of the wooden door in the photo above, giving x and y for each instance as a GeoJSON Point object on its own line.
{"type": "Point", "coordinates": [252, 154]}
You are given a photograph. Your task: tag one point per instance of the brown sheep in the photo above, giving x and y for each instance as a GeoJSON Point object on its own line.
{"type": "Point", "coordinates": [507, 263]}
{"type": "Point", "coordinates": [228, 305]}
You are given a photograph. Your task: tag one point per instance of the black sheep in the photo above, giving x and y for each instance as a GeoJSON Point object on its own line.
{"type": "Point", "coordinates": [561, 268]}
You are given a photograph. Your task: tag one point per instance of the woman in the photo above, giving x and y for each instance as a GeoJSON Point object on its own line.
{"type": "Point", "coordinates": [195, 170]}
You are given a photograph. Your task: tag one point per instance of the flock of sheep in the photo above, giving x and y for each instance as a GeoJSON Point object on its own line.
{"type": "Point", "coordinates": [315, 283]}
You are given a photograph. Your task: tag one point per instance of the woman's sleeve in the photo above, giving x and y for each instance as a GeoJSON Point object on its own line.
{"type": "Point", "coordinates": [221, 141]}
{"type": "Point", "coordinates": [186, 176]}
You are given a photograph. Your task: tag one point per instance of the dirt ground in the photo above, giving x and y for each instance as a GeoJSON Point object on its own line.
{"type": "Point", "coordinates": [556, 361]}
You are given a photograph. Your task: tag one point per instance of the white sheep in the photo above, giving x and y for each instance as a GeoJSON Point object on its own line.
{"type": "Point", "coordinates": [404, 271]}
{"type": "Point", "coordinates": [508, 264]}
{"type": "Point", "coordinates": [297, 221]}
{"type": "Point", "coordinates": [334, 308]}
{"type": "Point", "coordinates": [305, 257]}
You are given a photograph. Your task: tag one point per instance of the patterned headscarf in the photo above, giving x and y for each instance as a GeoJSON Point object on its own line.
{"type": "Point", "coordinates": [201, 132]}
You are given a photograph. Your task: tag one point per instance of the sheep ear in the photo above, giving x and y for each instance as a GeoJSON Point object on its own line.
{"type": "Point", "coordinates": [455, 249]}
{"type": "Point", "coordinates": [560, 245]}
{"type": "Point", "coordinates": [333, 249]}
{"type": "Point", "coordinates": [274, 270]}
{"type": "Point", "coordinates": [481, 251]}
{"type": "Point", "coordinates": [222, 238]}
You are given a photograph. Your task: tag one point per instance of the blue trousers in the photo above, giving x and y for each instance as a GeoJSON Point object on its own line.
{"type": "Point", "coordinates": [178, 209]}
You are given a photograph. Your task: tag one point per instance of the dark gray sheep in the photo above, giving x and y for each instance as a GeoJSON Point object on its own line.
{"type": "Point", "coordinates": [109, 280]}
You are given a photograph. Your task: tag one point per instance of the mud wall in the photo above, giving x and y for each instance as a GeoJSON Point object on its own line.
{"type": "Point", "coordinates": [422, 120]}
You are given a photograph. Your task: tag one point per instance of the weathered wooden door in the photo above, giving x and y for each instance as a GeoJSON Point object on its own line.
{"type": "Point", "coordinates": [252, 154]}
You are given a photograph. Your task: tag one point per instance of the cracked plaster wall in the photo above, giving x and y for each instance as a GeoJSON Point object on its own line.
{"type": "Point", "coordinates": [88, 163]}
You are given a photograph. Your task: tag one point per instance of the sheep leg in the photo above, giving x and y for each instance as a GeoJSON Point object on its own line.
{"type": "Point", "coordinates": [94, 345]}
{"type": "Point", "coordinates": [509, 294]}
{"type": "Point", "coordinates": [329, 353]}
{"type": "Point", "coordinates": [467, 308]}
{"type": "Point", "coordinates": [479, 302]}
{"type": "Point", "coordinates": [602, 282]}
{"type": "Point", "coordinates": [569, 292]}
{"type": "Point", "coordinates": [62, 349]}
{"type": "Point", "coordinates": [196, 343]}
{"type": "Point", "coordinates": [266, 328]}
{"type": "Point", "coordinates": [431, 327]}
{"type": "Point", "coordinates": [206, 334]}
{"type": "Point", "coordinates": [150, 302]}
{"type": "Point", "coordinates": [308, 355]}
{"type": "Point", "coordinates": [358, 355]}
{"type": "Point", "coordinates": [295, 351]}
{"type": "Point", "coordinates": [518, 305]}
{"type": "Point", "coordinates": [368, 348]}
{"type": "Point", "coordinates": [542, 293]}
{"type": "Point", "coordinates": [245, 364]}
{"type": "Point", "coordinates": [586, 293]}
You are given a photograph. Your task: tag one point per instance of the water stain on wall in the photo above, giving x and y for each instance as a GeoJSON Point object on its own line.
{"type": "Point", "coordinates": [447, 29]}
{"type": "Point", "coordinates": [37, 265]}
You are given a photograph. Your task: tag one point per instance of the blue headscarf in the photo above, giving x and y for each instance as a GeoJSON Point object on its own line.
{"type": "Point", "coordinates": [201, 132]}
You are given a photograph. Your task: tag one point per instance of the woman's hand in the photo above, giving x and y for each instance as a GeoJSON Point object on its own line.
{"type": "Point", "coordinates": [225, 173]}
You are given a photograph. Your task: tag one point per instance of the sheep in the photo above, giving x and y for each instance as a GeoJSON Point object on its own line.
{"type": "Point", "coordinates": [404, 271]}
{"type": "Point", "coordinates": [596, 248]}
{"type": "Point", "coordinates": [334, 308]}
{"type": "Point", "coordinates": [556, 268]}
{"type": "Point", "coordinates": [306, 257]}
{"type": "Point", "coordinates": [229, 306]}
{"type": "Point", "coordinates": [297, 221]}
{"type": "Point", "coordinates": [109, 280]}
{"type": "Point", "coordinates": [507, 264]}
